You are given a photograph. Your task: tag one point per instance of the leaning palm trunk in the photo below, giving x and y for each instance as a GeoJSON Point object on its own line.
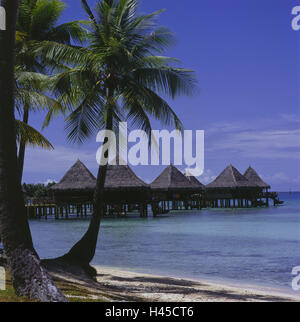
{"type": "Point", "coordinates": [83, 252]}
{"type": "Point", "coordinates": [29, 278]}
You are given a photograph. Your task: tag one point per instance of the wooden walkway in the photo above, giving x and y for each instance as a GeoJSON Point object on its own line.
{"type": "Point", "coordinates": [45, 211]}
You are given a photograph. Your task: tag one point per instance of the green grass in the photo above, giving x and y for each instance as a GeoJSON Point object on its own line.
{"type": "Point", "coordinates": [74, 293]}
{"type": "Point", "coordinates": [9, 294]}
{"type": "Point", "coordinates": [77, 293]}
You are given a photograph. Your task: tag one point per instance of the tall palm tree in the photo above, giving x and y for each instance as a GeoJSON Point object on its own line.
{"type": "Point", "coordinates": [29, 277]}
{"type": "Point", "coordinates": [122, 72]}
{"type": "Point", "coordinates": [37, 24]}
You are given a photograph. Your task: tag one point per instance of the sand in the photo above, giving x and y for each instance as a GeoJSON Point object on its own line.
{"type": "Point", "coordinates": [154, 288]}
{"type": "Point", "coordinates": [121, 285]}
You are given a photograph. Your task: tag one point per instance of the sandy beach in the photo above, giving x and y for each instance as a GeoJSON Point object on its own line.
{"type": "Point", "coordinates": [155, 288]}
{"type": "Point", "coordinates": [117, 285]}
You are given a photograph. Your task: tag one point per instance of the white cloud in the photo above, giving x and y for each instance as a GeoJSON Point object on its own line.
{"type": "Point", "coordinates": [280, 178]}
{"type": "Point", "coordinates": [49, 181]}
{"type": "Point", "coordinates": [291, 118]}
{"type": "Point", "coordinates": [207, 177]}
{"type": "Point", "coordinates": [277, 178]}
{"type": "Point", "coordinates": [255, 139]}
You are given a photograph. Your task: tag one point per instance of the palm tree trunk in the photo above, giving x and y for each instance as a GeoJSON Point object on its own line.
{"type": "Point", "coordinates": [83, 252]}
{"type": "Point", "coordinates": [29, 277]}
{"type": "Point", "coordinates": [22, 146]}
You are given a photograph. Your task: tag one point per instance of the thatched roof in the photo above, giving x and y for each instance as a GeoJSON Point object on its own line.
{"type": "Point", "coordinates": [230, 178]}
{"type": "Point", "coordinates": [254, 178]}
{"type": "Point", "coordinates": [172, 179]}
{"type": "Point", "coordinates": [78, 177]}
{"type": "Point", "coordinates": [118, 177]}
{"type": "Point", "coordinates": [195, 181]}
{"type": "Point", "coordinates": [121, 177]}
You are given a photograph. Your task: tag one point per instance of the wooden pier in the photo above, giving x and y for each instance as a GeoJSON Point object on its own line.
{"type": "Point", "coordinates": [54, 211]}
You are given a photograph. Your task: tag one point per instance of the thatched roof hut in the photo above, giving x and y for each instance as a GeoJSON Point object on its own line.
{"type": "Point", "coordinates": [121, 177]}
{"type": "Point", "coordinates": [171, 179]}
{"type": "Point", "coordinates": [77, 186]}
{"type": "Point", "coordinates": [171, 185]}
{"type": "Point", "coordinates": [252, 176]}
{"type": "Point", "coordinates": [77, 178]}
{"type": "Point", "coordinates": [123, 185]}
{"type": "Point", "coordinates": [230, 179]}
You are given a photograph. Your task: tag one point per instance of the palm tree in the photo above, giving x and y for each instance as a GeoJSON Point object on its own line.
{"type": "Point", "coordinates": [29, 277]}
{"type": "Point", "coordinates": [37, 25]}
{"type": "Point", "coordinates": [30, 91]}
{"type": "Point", "coordinates": [122, 73]}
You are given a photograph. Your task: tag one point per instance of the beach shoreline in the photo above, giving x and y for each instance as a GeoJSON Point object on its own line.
{"type": "Point", "coordinates": [160, 288]}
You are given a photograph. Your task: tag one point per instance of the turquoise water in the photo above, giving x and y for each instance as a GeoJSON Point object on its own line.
{"type": "Point", "coordinates": [253, 246]}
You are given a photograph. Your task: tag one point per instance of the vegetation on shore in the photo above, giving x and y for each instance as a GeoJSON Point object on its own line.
{"type": "Point", "coordinates": [36, 190]}
{"type": "Point", "coordinates": [74, 293]}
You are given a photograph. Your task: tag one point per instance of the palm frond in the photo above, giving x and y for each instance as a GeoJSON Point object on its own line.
{"type": "Point", "coordinates": [38, 101]}
{"type": "Point", "coordinates": [44, 16]}
{"type": "Point", "coordinates": [167, 80]}
{"type": "Point", "coordinates": [68, 32]}
{"type": "Point", "coordinates": [31, 136]}
{"type": "Point", "coordinates": [86, 119]}
{"type": "Point", "coordinates": [124, 57]}
{"type": "Point", "coordinates": [153, 104]}
{"type": "Point", "coordinates": [32, 80]}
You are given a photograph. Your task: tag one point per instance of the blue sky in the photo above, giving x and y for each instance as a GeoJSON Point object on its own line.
{"type": "Point", "coordinates": [247, 60]}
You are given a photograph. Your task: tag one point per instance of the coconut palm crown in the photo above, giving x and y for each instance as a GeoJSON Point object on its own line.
{"type": "Point", "coordinates": [122, 72]}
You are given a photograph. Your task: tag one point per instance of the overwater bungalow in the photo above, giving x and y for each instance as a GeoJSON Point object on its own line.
{"type": "Point", "coordinates": [75, 190]}
{"type": "Point", "coordinates": [231, 189]}
{"type": "Point", "coordinates": [173, 190]}
{"type": "Point", "coordinates": [264, 195]}
{"type": "Point", "coordinates": [77, 185]}
{"type": "Point", "coordinates": [252, 176]}
{"type": "Point", "coordinates": [123, 189]}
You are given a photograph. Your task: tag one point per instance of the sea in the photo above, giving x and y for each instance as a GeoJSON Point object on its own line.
{"type": "Point", "coordinates": [258, 247]}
